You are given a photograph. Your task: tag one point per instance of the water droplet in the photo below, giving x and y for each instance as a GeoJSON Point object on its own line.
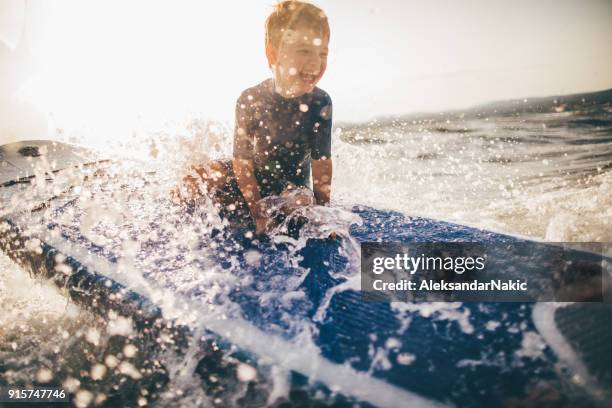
{"type": "Point", "coordinates": [405, 358]}
{"type": "Point", "coordinates": [246, 373]}
{"type": "Point", "coordinates": [98, 371]}
{"type": "Point", "coordinates": [44, 375]}
{"type": "Point", "coordinates": [111, 361]}
{"type": "Point", "coordinates": [93, 336]}
{"type": "Point", "coordinates": [130, 350]}
{"type": "Point", "coordinates": [83, 398]}
{"type": "Point", "coordinates": [71, 384]}
{"type": "Point", "coordinates": [128, 369]}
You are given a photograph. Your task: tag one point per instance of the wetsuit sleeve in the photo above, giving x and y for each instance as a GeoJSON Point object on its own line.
{"type": "Point", "coordinates": [243, 136]}
{"type": "Point", "coordinates": [322, 128]}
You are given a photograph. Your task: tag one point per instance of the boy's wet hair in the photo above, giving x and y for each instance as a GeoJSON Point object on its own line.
{"type": "Point", "coordinates": [288, 14]}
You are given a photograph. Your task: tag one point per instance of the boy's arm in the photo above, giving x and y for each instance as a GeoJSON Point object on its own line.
{"type": "Point", "coordinates": [321, 180]}
{"type": "Point", "coordinates": [321, 152]}
{"type": "Point", "coordinates": [245, 176]}
{"type": "Point", "coordinates": [242, 162]}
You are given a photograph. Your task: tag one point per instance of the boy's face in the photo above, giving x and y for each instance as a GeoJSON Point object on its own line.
{"type": "Point", "coordinates": [300, 61]}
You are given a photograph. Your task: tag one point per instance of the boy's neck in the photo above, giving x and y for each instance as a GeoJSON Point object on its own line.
{"type": "Point", "coordinates": [277, 89]}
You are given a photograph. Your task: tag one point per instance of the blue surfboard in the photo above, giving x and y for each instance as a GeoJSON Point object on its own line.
{"type": "Point", "coordinates": [286, 303]}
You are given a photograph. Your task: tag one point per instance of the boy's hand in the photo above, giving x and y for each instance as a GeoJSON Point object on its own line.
{"type": "Point", "coordinates": [261, 225]}
{"type": "Point", "coordinates": [175, 196]}
{"type": "Point", "coordinates": [191, 188]}
{"type": "Point", "coordinates": [258, 212]}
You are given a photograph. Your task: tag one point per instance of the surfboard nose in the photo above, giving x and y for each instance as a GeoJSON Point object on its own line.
{"type": "Point", "coordinates": [29, 151]}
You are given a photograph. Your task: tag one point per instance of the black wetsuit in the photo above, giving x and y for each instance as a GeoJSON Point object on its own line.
{"type": "Point", "coordinates": [282, 135]}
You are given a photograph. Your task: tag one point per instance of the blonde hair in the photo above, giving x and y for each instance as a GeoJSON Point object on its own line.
{"type": "Point", "coordinates": [288, 14]}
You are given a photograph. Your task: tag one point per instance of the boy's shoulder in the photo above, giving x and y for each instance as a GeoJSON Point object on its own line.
{"type": "Point", "coordinates": [266, 89]}
{"type": "Point", "coordinates": [262, 97]}
{"type": "Point", "coordinates": [262, 88]}
{"type": "Point", "coordinates": [320, 96]}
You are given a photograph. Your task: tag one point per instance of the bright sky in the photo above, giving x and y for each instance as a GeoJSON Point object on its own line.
{"type": "Point", "coordinates": [113, 61]}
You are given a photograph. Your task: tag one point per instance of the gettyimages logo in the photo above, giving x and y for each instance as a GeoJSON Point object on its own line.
{"type": "Point", "coordinates": [469, 271]}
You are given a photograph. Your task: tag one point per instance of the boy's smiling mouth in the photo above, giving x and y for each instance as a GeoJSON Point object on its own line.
{"type": "Point", "coordinates": [308, 78]}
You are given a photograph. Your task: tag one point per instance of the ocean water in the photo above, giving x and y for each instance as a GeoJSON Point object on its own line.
{"type": "Point", "coordinates": [539, 168]}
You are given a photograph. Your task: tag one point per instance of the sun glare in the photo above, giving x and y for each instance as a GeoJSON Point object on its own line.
{"type": "Point", "coordinates": [109, 68]}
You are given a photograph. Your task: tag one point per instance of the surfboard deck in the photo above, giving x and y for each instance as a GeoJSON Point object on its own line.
{"type": "Point", "coordinates": [19, 160]}
{"type": "Point", "coordinates": [467, 354]}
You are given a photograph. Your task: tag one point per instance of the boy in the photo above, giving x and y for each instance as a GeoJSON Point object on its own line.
{"type": "Point", "coordinates": [283, 125]}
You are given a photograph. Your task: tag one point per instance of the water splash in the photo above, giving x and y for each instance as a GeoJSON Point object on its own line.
{"type": "Point", "coordinates": [503, 173]}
